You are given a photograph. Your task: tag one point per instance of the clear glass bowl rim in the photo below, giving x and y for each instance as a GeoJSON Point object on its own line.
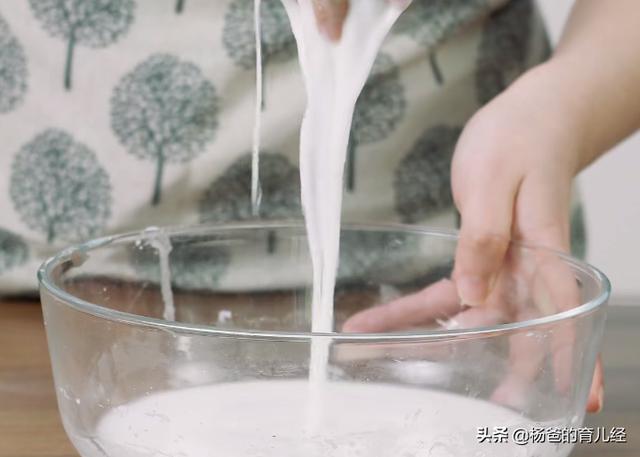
{"type": "Point", "coordinates": [45, 282]}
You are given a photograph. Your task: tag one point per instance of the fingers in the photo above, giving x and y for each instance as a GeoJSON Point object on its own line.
{"type": "Point", "coordinates": [527, 351]}
{"type": "Point", "coordinates": [438, 301]}
{"type": "Point", "coordinates": [596, 395]}
{"type": "Point", "coordinates": [330, 16]}
{"type": "Point", "coordinates": [486, 208]}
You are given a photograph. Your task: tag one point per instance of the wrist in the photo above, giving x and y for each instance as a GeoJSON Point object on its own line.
{"type": "Point", "coordinates": [543, 99]}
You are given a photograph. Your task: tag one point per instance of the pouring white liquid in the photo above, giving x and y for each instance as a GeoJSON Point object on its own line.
{"type": "Point", "coordinates": [285, 418]}
{"type": "Point", "coordinates": [334, 75]}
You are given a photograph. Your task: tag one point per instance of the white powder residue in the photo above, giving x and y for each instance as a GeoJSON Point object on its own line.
{"type": "Point", "coordinates": [159, 240]}
{"type": "Point", "coordinates": [267, 419]}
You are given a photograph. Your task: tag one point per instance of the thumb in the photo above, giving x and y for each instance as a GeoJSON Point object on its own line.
{"type": "Point", "coordinates": [486, 210]}
{"type": "Point", "coordinates": [330, 15]}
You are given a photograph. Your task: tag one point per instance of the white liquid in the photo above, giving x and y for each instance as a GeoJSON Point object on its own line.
{"type": "Point", "coordinates": [257, 124]}
{"type": "Point", "coordinates": [266, 418]}
{"type": "Point", "coordinates": [158, 239]}
{"type": "Point", "coordinates": [334, 75]}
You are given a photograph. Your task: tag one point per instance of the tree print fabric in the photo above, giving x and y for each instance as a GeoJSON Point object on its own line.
{"type": "Point", "coordinates": [278, 42]}
{"type": "Point", "coordinates": [229, 197]}
{"type": "Point", "coordinates": [59, 189]}
{"type": "Point", "coordinates": [422, 181]}
{"type": "Point", "coordinates": [238, 36]}
{"type": "Point", "coordinates": [92, 23]}
{"type": "Point", "coordinates": [13, 70]}
{"type": "Point", "coordinates": [193, 266]}
{"type": "Point", "coordinates": [378, 111]}
{"type": "Point", "coordinates": [117, 115]}
{"type": "Point", "coordinates": [164, 111]}
{"type": "Point", "coordinates": [13, 251]}
{"type": "Point", "coordinates": [578, 232]}
{"type": "Point", "coordinates": [504, 49]}
{"type": "Point", "coordinates": [431, 22]}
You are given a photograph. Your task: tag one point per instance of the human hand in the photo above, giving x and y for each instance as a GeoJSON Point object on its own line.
{"type": "Point", "coordinates": [331, 14]}
{"type": "Point", "coordinates": [512, 176]}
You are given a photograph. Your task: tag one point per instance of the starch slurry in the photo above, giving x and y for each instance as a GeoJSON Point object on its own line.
{"type": "Point", "coordinates": [267, 419]}
{"type": "Point", "coordinates": [314, 417]}
{"type": "Point", "coordinates": [334, 75]}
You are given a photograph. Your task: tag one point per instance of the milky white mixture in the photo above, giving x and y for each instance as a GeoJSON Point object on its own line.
{"type": "Point", "coordinates": [267, 419]}
{"type": "Point", "coordinates": [314, 417]}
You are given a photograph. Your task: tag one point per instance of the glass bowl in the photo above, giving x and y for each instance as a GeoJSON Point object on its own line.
{"type": "Point", "coordinates": [217, 361]}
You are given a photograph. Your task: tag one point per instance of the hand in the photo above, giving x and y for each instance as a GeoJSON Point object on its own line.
{"type": "Point", "coordinates": [330, 15]}
{"type": "Point", "coordinates": [512, 174]}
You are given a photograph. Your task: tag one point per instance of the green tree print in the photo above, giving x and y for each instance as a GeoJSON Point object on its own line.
{"type": "Point", "coordinates": [13, 70]}
{"type": "Point", "coordinates": [578, 233]}
{"type": "Point", "coordinates": [432, 22]}
{"type": "Point", "coordinates": [422, 180]}
{"type": "Point", "coordinates": [364, 255]}
{"type": "Point", "coordinates": [380, 107]}
{"type": "Point", "coordinates": [238, 35]}
{"type": "Point", "coordinates": [59, 189]}
{"type": "Point", "coordinates": [194, 265]}
{"type": "Point", "coordinates": [13, 251]}
{"type": "Point", "coordinates": [229, 197]}
{"type": "Point", "coordinates": [165, 111]}
{"type": "Point", "coordinates": [91, 23]}
{"type": "Point", "coordinates": [504, 49]}
{"type": "Point", "coordinates": [180, 6]}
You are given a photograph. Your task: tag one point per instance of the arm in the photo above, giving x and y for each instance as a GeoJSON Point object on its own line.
{"type": "Point", "coordinates": [515, 162]}
{"type": "Point", "coordinates": [598, 64]}
{"type": "Point", "coordinates": [558, 117]}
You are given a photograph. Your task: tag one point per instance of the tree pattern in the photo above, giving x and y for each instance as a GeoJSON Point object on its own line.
{"type": "Point", "coordinates": [165, 111]}
{"type": "Point", "coordinates": [58, 187]}
{"type": "Point", "coordinates": [13, 251]}
{"type": "Point", "coordinates": [91, 23]}
{"type": "Point", "coordinates": [13, 69]}
{"type": "Point", "coordinates": [229, 197]}
{"type": "Point", "coordinates": [432, 22]}
{"type": "Point", "coordinates": [194, 265]}
{"type": "Point", "coordinates": [380, 107]}
{"type": "Point", "coordinates": [578, 233]}
{"type": "Point", "coordinates": [238, 35]}
{"type": "Point", "coordinates": [504, 49]}
{"type": "Point", "coordinates": [422, 180]}
{"type": "Point", "coordinates": [365, 254]}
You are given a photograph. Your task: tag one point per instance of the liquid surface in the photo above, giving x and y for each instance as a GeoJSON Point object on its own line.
{"type": "Point", "coordinates": [266, 418]}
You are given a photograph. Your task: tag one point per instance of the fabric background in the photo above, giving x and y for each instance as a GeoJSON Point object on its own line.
{"type": "Point", "coordinates": [169, 85]}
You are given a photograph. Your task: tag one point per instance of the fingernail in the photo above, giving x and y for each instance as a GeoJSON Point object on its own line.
{"type": "Point", "coordinates": [472, 290]}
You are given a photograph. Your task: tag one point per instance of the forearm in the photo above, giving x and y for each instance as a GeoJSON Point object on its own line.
{"type": "Point", "coordinates": [596, 72]}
